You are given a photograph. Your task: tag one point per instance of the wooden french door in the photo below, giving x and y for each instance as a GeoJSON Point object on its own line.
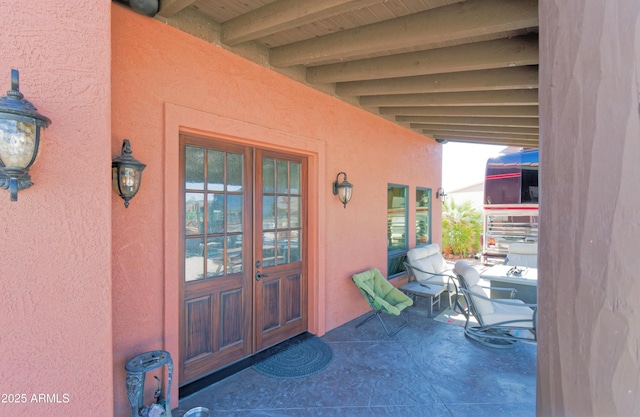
{"type": "Point", "coordinates": [280, 286]}
{"type": "Point", "coordinates": [243, 244]}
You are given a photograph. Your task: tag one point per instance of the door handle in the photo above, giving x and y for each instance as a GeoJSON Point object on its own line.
{"type": "Point", "coordinates": [260, 275]}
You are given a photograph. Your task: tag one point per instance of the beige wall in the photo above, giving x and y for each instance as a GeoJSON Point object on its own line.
{"type": "Point", "coordinates": [589, 338]}
{"type": "Point", "coordinates": [55, 241]}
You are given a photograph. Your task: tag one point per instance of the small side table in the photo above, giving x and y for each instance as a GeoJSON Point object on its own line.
{"type": "Point", "coordinates": [430, 291]}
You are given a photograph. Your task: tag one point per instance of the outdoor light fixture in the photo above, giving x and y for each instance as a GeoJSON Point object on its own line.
{"type": "Point", "coordinates": [20, 129]}
{"type": "Point", "coordinates": [343, 190]}
{"type": "Point", "coordinates": [441, 194]}
{"type": "Point", "coordinates": [126, 172]}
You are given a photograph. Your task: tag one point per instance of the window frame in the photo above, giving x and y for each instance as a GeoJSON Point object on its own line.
{"type": "Point", "coordinates": [429, 191]}
{"type": "Point", "coordinates": [397, 256]}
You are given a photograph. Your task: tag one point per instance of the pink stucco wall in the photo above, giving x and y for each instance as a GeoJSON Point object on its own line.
{"type": "Point", "coordinates": [55, 257]}
{"type": "Point", "coordinates": [165, 81]}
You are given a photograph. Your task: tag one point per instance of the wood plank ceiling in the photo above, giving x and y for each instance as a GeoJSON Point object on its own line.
{"type": "Point", "coordinates": [453, 70]}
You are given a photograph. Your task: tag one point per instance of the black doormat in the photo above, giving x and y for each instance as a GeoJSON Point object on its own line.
{"type": "Point", "coordinates": [306, 358]}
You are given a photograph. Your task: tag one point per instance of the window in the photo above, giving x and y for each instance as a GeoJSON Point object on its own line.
{"type": "Point", "coordinates": [396, 229]}
{"type": "Point", "coordinates": [423, 216]}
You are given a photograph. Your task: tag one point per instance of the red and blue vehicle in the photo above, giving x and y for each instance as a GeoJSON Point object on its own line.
{"type": "Point", "coordinates": [510, 203]}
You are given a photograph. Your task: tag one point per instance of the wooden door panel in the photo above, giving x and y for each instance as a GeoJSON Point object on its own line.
{"type": "Point", "coordinates": [270, 306]}
{"type": "Point", "coordinates": [231, 323]}
{"type": "Point", "coordinates": [199, 328]}
{"type": "Point", "coordinates": [293, 301]}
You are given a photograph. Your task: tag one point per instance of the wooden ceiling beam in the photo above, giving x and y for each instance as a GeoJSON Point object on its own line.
{"type": "Point", "coordinates": [168, 8]}
{"type": "Point", "coordinates": [494, 79]}
{"type": "Point", "coordinates": [473, 111]}
{"type": "Point", "coordinates": [500, 53]}
{"type": "Point", "coordinates": [282, 15]}
{"type": "Point", "coordinates": [489, 141]}
{"type": "Point", "coordinates": [471, 121]}
{"type": "Point", "coordinates": [467, 98]}
{"type": "Point", "coordinates": [431, 27]}
{"type": "Point", "coordinates": [520, 131]}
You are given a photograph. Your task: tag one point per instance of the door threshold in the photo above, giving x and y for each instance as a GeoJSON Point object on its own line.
{"type": "Point", "coordinates": [241, 365]}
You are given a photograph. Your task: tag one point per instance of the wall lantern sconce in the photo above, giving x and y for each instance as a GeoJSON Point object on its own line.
{"type": "Point", "coordinates": [126, 172]}
{"type": "Point", "coordinates": [20, 129]}
{"type": "Point", "coordinates": [441, 195]}
{"type": "Point", "coordinates": [343, 190]}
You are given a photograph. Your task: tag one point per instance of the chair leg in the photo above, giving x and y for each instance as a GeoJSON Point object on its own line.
{"type": "Point", "coordinates": [405, 321]}
{"type": "Point", "coordinates": [369, 317]}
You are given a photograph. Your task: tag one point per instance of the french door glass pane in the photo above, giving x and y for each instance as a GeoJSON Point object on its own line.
{"type": "Point", "coordinates": [268, 176]}
{"type": "Point", "coordinates": [216, 171]}
{"type": "Point", "coordinates": [214, 215]}
{"type": "Point", "coordinates": [194, 213]}
{"type": "Point", "coordinates": [283, 247]}
{"type": "Point", "coordinates": [282, 212]}
{"type": "Point", "coordinates": [234, 213]}
{"type": "Point", "coordinates": [194, 259]}
{"type": "Point", "coordinates": [234, 176]}
{"type": "Point", "coordinates": [268, 249]}
{"type": "Point", "coordinates": [294, 246]}
{"type": "Point", "coordinates": [268, 212]}
{"type": "Point", "coordinates": [234, 254]}
{"type": "Point", "coordinates": [283, 177]}
{"type": "Point", "coordinates": [215, 250]}
{"type": "Point", "coordinates": [295, 179]}
{"type": "Point", "coordinates": [194, 178]}
{"type": "Point", "coordinates": [294, 216]}
{"type": "Point", "coordinates": [215, 204]}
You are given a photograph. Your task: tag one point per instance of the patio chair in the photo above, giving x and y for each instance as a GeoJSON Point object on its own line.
{"type": "Point", "coordinates": [523, 254]}
{"type": "Point", "coordinates": [426, 264]}
{"type": "Point", "coordinates": [500, 322]}
{"type": "Point", "coordinates": [382, 296]}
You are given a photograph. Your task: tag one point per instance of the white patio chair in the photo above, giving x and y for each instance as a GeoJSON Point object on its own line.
{"type": "Point", "coordinates": [523, 254]}
{"type": "Point", "coordinates": [426, 264]}
{"type": "Point", "coordinates": [500, 322]}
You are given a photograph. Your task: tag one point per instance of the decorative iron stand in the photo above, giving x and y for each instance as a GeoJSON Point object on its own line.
{"type": "Point", "coordinates": [137, 368]}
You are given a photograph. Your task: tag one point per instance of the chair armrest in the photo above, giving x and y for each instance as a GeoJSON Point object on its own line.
{"type": "Point", "coordinates": [512, 291]}
{"type": "Point", "coordinates": [410, 268]}
{"type": "Point", "coordinates": [498, 300]}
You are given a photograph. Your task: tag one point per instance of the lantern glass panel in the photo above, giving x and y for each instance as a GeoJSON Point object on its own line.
{"type": "Point", "coordinates": [17, 143]}
{"type": "Point", "coordinates": [129, 180]}
{"type": "Point", "coordinates": [344, 194]}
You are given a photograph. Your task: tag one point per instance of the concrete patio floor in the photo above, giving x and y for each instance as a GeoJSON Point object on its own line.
{"type": "Point", "coordinates": [428, 369]}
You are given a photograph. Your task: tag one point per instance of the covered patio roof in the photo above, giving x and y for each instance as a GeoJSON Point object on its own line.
{"type": "Point", "coordinates": [451, 70]}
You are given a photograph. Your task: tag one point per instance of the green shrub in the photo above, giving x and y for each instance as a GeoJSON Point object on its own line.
{"type": "Point", "coordinates": [461, 228]}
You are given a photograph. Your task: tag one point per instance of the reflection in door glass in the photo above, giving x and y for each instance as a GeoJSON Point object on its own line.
{"type": "Point", "coordinates": [234, 213]}
{"type": "Point", "coordinates": [215, 250]}
{"type": "Point", "coordinates": [194, 213]}
{"type": "Point", "coordinates": [215, 204]}
{"type": "Point", "coordinates": [194, 175]}
{"type": "Point", "coordinates": [234, 254]}
{"type": "Point", "coordinates": [268, 249]}
{"type": "Point", "coordinates": [194, 259]}
{"type": "Point", "coordinates": [295, 179]}
{"type": "Point", "coordinates": [213, 198]}
{"type": "Point", "coordinates": [234, 172]}
{"type": "Point", "coordinates": [268, 176]}
{"type": "Point", "coordinates": [283, 177]}
{"type": "Point", "coordinates": [215, 171]}
{"type": "Point", "coordinates": [281, 212]}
